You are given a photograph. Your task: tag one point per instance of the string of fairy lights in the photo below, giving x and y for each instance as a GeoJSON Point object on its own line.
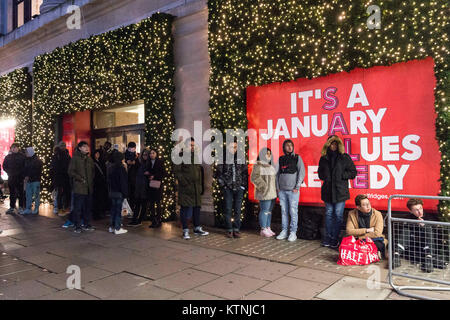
{"type": "Point", "coordinates": [256, 42]}
{"type": "Point", "coordinates": [128, 64]}
{"type": "Point", "coordinates": [15, 102]}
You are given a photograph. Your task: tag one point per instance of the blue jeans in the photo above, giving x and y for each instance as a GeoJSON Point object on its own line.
{"type": "Point", "coordinates": [334, 215]}
{"type": "Point", "coordinates": [289, 207]}
{"type": "Point", "coordinates": [186, 213]}
{"type": "Point", "coordinates": [33, 190]}
{"type": "Point", "coordinates": [265, 212]}
{"type": "Point", "coordinates": [233, 197]}
{"type": "Point", "coordinates": [82, 209]}
{"type": "Point", "coordinates": [116, 213]}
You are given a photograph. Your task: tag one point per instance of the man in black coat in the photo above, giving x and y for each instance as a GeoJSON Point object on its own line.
{"type": "Point", "coordinates": [335, 169]}
{"type": "Point", "coordinates": [14, 166]}
{"type": "Point", "coordinates": [132, 167]}
{"type": "Point", "coordinates": [59, 167]}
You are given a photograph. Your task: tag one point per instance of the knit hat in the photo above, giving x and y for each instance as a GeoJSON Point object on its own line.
{"type": "Point", "coordinates": [30, 151]}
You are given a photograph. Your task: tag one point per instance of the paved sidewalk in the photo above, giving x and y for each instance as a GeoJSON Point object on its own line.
{"type": "Point", "coordinates": [35, 253]}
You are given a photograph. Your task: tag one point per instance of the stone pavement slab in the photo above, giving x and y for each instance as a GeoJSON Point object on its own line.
{"type": "Point", "coordinates": [159, 268]}
{"type": "Point", "coordinates": [68, 294]}
{"type": "Point", "coordinates": [120, 282]}
{"type": "Point", "coordinates": [315, 275]}
{"type": "Point", "coordinates": [266, 270]}
{"type": "Point", "coordinates": [25, 290]}
{"type": "Point", "coordinates": [144, 292]}
{"type": "Point", "coordinates": [199, 255]}
{"type": "Point", "coordinates": [295, 288]}
{"type": "Point", "coordinates": [350, 288]}
{"type": "Point", "coordinates": [195, 295]}
{"type": "Point", "coordinates": [185, 280]}
{"type": "Point", "coordinates": [232, 286]}
{"type": "Point", "coordinates": [220, 266]}
{"type": "Point", "coordinates": [262, 295]}
{"type": "Point", "coordinates": [88, 274]}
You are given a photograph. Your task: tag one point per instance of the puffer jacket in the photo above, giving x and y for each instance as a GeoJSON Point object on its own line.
{"type": "Point", "coordinates": [335, 181]}
{"type": "Point", "coordinates": [263, 177]}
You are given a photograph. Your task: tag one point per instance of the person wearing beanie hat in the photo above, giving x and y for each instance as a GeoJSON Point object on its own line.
{"type": "Point", "coordinates": [33, 172]}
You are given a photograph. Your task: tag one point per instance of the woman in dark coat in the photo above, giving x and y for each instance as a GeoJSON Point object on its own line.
{"type": "Point", "coordinates": [101, 197]}
{"type": "Point", "coordinates": [59, 167]}
{"type": "Point", "coordinates": [141, 192]}
{"type": "Point", "coordinates": [156, 173]}
{"type": "Point", "coordinates": [335, 169]}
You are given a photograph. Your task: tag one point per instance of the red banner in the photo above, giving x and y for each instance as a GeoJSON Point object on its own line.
{"type": "Point", "coordinates": [384, 115]}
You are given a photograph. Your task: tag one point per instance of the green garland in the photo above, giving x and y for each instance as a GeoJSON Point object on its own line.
{"type": "Point", "coordinates": [256, 42]}
{"type": "Point", "coordinates": [131, 63]}
{"type": "Point", "coordinates": [15, 102]}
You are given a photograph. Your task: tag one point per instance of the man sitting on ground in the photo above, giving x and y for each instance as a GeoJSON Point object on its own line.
{"type": "Point", "coordinates": [366, 222]}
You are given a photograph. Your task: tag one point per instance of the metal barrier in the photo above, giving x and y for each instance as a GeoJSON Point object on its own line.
{"type": "Point", "coordinates": [423, 246]}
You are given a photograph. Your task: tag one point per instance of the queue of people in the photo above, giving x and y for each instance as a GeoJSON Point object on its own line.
{"type": "Point", "coordinates": [111, 177]}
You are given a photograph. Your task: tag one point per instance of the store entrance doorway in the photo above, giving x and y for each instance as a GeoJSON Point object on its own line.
{"type": "Point", "coordinates": [119, 137]}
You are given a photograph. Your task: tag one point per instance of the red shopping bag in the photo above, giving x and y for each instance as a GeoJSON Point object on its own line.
{"type": "Point", "coordinates": [357, 252]}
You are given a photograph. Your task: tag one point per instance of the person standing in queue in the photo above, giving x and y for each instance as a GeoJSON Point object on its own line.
{"type": "Point", "coordinates": [335, 169]}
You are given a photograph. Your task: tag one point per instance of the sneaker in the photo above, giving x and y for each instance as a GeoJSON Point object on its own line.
{"type": "Point", "coordinates": [199, 231]}
{"type": "Point", "coordinates": [88, 228]}
{"type": "Point", "coordinates": [396, 262]}
{"type": "Point", "coordinates": [270, 231]}
{"type": "Point", "coordinates": [283, 235]}
{"type": "Point", "coordinates": [120, 231]}
{"type": "Point", "coordinates": [237, 234]}
{"type": "Point", "coordinates": [335, 246]}
{"type": "Point", "coordinates": [21, 210]}
{"type": "Point", "coordinates": [77, 230]}
{"type": "Point", "coordinates": [186, 235]}
{"type": "Point", "coordinates": [25, 212]}
{"type": "Point", "coordinates": [10, 211]}
{"type": "Point", "coordinates": [326, 245]}
{"type": "Point", "coordinates": [292, 237]}
{"type": "Point", "coordinates": [111, 230]}
{"type": "Point", "coordinates": [135, 224]}
{"type": "Point", "coordinates": [230, 235]}
{"type": "Point", "coordinates": [68, 224]}
{"type": "Point", "coordinates": [265, 233]}
{"type": "Point", "coordinates": [35, 212]}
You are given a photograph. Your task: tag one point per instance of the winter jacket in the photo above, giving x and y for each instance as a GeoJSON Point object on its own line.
{"type": "Point", "coordinates": [142, 182]}
{"type": "Point", "coordinates": [264, 178]}
{"type": "Point", "coordinates": [376, 221]}
{"type": "Point", "coordinates": [190, 184]}
{"type": "Point", "coordinates": [157, 171]}
{"type": "Point", "coordinates": [81, 171]}
{"type": "Point", "coordinates": [117, 181]}
{"type": "Point", "coordinates": [290, 171]}
{"type": "Point", "coordinates": [14, 165]}
{"type": "Point", "coordinates": [33, 169]}
{"type": "Point", "coordinates": [335, 181]}
{"type": "Point", "coordinates": [59, 167]}
{"type": "Point", "coordinates": [132, 169]}
{"type": "Point", "coordinates": [226, 178]}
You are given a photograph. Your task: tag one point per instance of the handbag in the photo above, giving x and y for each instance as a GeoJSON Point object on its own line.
{"type": "Point", "coordinates": [155, 184]}
{"type": "Point", "coordinates": [357, 252]}
{"type": "Point", "coordinates": [126, 209]}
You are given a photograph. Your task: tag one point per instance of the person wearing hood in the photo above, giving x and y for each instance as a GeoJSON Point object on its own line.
{"type": "Point", "coordinates": [14, 165]}
{"type": "Point", "coordinates": [81, 170]}
{"type": "Point", "coordinates": [118, 191]}
{"type": "Point", "coordinates": [32, 173]}
{"type": "Point", "coordinates": [264, 178]}
{"type": "Point", "coordinates": [190, 189]}
{"type": "Point", "coordinates": [233, 179]}
{"type": "Point", "coordinates": [290, 176]}
{"type": "Point", "coordinates": [335, 169]}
